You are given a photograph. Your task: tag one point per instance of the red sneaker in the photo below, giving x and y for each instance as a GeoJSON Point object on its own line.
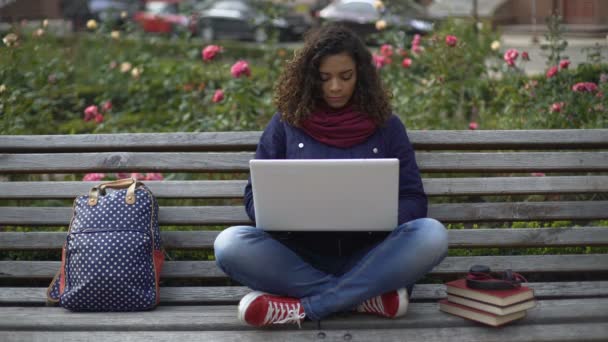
{"type": "Point", "coordinates": [391, 304]}
{"type": "Point", "coordinates": [261, 309]}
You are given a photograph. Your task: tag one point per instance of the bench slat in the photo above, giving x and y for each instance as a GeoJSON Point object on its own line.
{"type": "Point", "coordinates": [203, 141]}
{"type": "Point", "coordinates": [450, 265]}
{"type": "Point", "coordinates": [232, 215]}
{"type": "Point", "coordinates": [509, 139]}
{"type": "Point", "coordinates": [232, 294]}
{"type": "Point", "coordinates": [239, 161]}
{"type": "Point", "coordinates": [210, 141]}
{"type": "Point", "coordinates": [515, 332]}
{"type": "Point", "coordinates": [234, 188]}
{"type": "Point", "coordinates": [224, 318]}
{"type": "Point", "coordinates": [458, 238]}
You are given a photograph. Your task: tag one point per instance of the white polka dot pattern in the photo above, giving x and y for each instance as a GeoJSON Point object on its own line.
{"type": "Point", "coordinates": [111, 260]}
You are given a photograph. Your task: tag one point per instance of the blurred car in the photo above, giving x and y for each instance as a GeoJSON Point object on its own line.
{"type": "Point", "coordinates": [239, 19]}
{"type": "Point", "coordinates": [110, 10]}
{"type": "Point", "coordinates": [361, 16]}
{"type": "Point", "coordinates": [167, 16]}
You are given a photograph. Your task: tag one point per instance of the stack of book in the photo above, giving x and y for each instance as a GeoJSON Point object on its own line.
{"type": "Point", "coordinates": [492, 307]}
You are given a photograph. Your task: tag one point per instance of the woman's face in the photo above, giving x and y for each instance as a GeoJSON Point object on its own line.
{"type": "Point", "coordinates": [338, 75]}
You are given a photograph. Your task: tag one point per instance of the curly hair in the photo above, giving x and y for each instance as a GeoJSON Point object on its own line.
{"type": "Point", "coordinates": [299, 88]}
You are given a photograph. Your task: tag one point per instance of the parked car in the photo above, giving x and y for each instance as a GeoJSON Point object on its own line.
{"type": "Point", "coordinates": [111, 10]}
{"type": "Point", "coordinates": [167, 16]}
{"type": "Point", "coordinates": [361, 16]}
{"type": "Point", "coordinates": [239, 19]}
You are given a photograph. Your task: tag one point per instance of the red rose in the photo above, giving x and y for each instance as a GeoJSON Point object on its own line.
{"type": "Point", "coordinates": [210, 51]}
{"type": "Point", "coordinates": [218, 96]}
{"type": "Point", "coordinates": [239, 69]}
{"type": "Point", "coordinates": [552, 71]}
{"type": "Point", "coordinates": [451, 40]}
{"type": "Point", "coordinates": [90, 112]}
{"type": "Point", "coordinates": [386, 50]}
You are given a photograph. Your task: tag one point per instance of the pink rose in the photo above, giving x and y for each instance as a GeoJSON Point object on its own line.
{"type": "Point", "coordinates": [557, 107]}
{"type": "Point", "coordinates": [416, 49]}
{"type": "Point", "coordinates": [564, 63]}
{"type": "Point", "coordinates": [510, 56]}
{"type": "Point", "coordinates": [407, 62]}
{"type": "Point", "coordinates": [525, 56]}
{"type": "Point", "coordinates": [210, 51]}
{"type": "Point", "coordinates": [106, 106]}
{"type": "Point", "coordinates": [416, 40]}
{"type": "Point", "coordinates": [90, 113]}
{"type": "Point", "coordinates": [552, 71]}
{"type": "Point", "coordinates": [451, 40]}
{"type": "Point", "coordinates": [99, 118]}
{"type": "Point", "coordinates": [137, 175]}
{"type": "Point", "coordinates": [93, 177]}
{"type": "Point", "coordinates": [473, 125]}
{"type": "Point", "coordinates": [239, 69]}
{"type": "Point", "coordinates": [122, 175]}
{"type": "Point", "coordinates": [218, 96]}
{"type": "Point", "coordinates": [386, 50]}
{"type": "Point", "coordinates": [537, 174]}
{"type": "Point", "coordinates": [155, 176]}
{"type": "Point", "coordinates": [380, 61]}
{"type": "Point", "coordinates": [585, 87]}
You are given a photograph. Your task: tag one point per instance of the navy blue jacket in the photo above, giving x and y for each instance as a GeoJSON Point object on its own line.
{"type": "Point", "coordinates": [283, 141]}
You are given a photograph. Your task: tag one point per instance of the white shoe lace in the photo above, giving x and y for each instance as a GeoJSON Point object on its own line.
{"type": "Point", "coordinates": [373, 305]}
{"type": "Point", "coordinates": [281, 313]}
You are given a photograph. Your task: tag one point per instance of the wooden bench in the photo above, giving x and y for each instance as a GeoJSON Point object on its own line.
{"type": "Point", "coordinates": [479, 181]}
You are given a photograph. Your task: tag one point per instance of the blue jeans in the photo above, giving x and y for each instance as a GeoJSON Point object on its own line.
{"type": "Point", "coordinates": [254, 258]}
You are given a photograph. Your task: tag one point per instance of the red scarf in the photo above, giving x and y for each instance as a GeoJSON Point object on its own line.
{"type": "Point", "coordinates": [340, 128]}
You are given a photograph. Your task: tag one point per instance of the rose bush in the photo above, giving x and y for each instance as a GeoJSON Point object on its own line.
{"type": "Point", "coordinates": [456, 75]}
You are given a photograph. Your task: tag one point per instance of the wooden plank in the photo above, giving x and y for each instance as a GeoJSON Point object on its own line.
{"type": "Point", "coordinates": [232, 215]}
{"type": "Point", "coordinates": [510, 139]}
{"type": "Point", "coordinates": [514, 185]}
{"type": "Point", "coordinates": [458, 238]}
{"type": "Point", "coordinates": [198, 295]}
{"type": "Point", "coordinates": [204, 141]}
{"type": "Point", "coordinates": [528, 237]}
{"type": "Point", "coordinates": [519, 211]}
{"type": "Point", "coordinates": [234, 188]}
{"type": "Point", "coordinates": [238, 162]}
{"type": "Point", "coordinates": [197, 318]}
{"type": "Point", "coordinates": [125, 161]}
{"type": "Point", "coordinates": [161, 189]}
{"type": "Point", "coordinates": [450, 265]}
{"type": "Point", "coordinates": [514, 332]}
{"type": "Point", "coordinates": [207, 141]}
{"type": "Point", "coordinates": [512, 162]}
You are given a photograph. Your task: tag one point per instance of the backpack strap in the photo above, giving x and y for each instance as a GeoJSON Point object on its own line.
{"type": "Point", "coordinates": [52, 292]}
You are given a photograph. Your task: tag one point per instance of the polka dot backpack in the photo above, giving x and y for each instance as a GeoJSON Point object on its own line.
{"type": "Point", "coordinates": [112, 257]}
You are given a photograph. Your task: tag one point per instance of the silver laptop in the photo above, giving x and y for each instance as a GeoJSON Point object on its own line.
{"type": "Point", "coordinates": [325, 194]}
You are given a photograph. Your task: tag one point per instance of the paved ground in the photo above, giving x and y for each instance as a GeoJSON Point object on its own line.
{"type": "Point", "coordinates": [537, 64]}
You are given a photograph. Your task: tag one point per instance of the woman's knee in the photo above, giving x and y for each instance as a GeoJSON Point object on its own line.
{"type": "Point", "coordinates": [231, 242]}
{"type": "Point", "coordinates": [435, 235]}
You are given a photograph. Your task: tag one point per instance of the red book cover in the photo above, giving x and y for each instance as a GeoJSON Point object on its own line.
{"type": "Point", "coordinates": [497, 297]}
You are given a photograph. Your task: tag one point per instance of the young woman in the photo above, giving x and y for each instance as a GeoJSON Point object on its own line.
{"type": "Point", "coordinates": [332, 105]}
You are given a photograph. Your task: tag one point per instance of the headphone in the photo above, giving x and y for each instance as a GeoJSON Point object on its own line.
{"type": "Point", "coordinates": [481, 277]}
